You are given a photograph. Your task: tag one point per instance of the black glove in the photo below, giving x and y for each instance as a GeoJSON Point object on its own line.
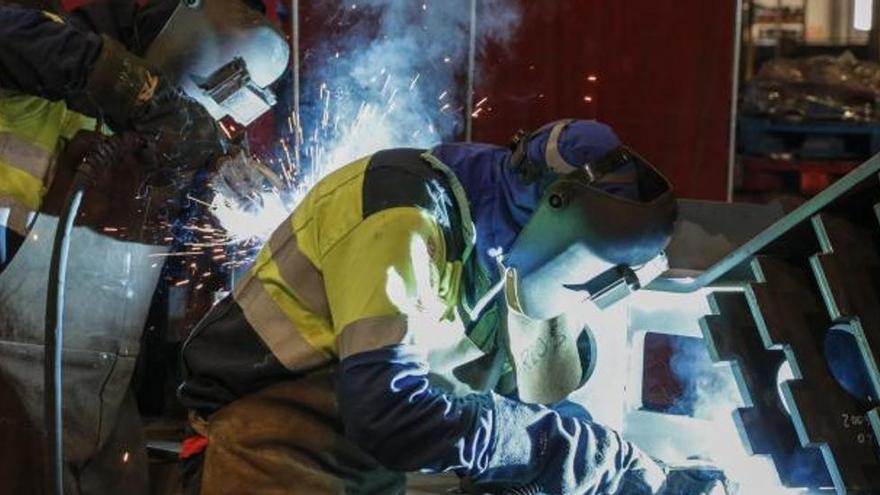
{"type": "Point", "coordinates": [130, 96]}
{"type": "Point", "coordinates": [181, 132]}
{"type": "Point", "coordinates": [694, 480]}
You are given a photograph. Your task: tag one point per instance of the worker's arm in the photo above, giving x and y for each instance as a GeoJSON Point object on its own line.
{"type": "Point", "coordinates": [390, 409]}
{"type": "Point", "coordinates": [43, 56]}
{"type": "Point", "coordinates": [94, 74]}
{"type": "Point", "coordinates": [97, 75]}
{"type": "Point", "coordinates": [47, 57]}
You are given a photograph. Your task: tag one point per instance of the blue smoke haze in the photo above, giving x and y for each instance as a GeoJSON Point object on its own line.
{"type": "Point", "coordinates": [396, 77]}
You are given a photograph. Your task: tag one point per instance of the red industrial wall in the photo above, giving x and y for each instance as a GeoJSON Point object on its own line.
{"type": "Point", "coordinates": [659, 72]}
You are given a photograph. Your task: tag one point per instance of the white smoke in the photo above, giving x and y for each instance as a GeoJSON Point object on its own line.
{"type": "Point", "coordinates": [715, 400]}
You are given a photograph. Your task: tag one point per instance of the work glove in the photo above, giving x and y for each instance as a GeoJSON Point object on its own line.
{"type": "Point", "coordinates": [131, 96]}
{"type": "Point", "coordinates": [680, 480]}
{"type": "Point", "coordinates": [695, 479]}
{"type": "Point", "coordinates": [243, 181]}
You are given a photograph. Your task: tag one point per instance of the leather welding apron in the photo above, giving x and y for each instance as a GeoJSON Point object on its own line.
{"type": "Point", "coordinates": [108, 293]}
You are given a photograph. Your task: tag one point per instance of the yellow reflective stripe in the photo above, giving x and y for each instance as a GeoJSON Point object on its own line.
{"type": "Point", "coordinates": [31, 132]}
{"type": "Point", "coordinates": [20, 186]}
{"type": "Point", "coordinates": [267, 272]}
{"type": "Point", "coordinates": [41, 122]}
{"type": "Point", "coordinates": [32, 119]}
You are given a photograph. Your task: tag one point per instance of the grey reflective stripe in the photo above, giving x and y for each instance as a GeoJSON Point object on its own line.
{"type": "Point", "coordinates": [297, 271]}
{"type": "Point", "coordinates": [467, 223]}
{"type": "Point", "coordinates": [275, 329]}
{"type": "Point", "coordinates": [20, 220]}
{"type": "Point", "coordinates": [552, 155]}
{"type": "Point", "coordinates": [370, 334]}
{"type": "Point", "coordinates": [24, 156]}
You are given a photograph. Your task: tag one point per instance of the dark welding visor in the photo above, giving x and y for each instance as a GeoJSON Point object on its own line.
{"type": "Point", "coordinates": [584, 242]}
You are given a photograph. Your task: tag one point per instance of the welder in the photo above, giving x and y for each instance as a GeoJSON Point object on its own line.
{"type": "Point", "coordinates": [419, 311]}
{"type": "Point", "coordinates": [120, 86]}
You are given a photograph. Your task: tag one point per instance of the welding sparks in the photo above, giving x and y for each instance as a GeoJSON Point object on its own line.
{"type": "Point", "coordinates": [412, 84]}
{"type": "Point", "coordinates": [225, 130]}
{"type": "Point", "coordinates": [368, 95]}
{"type": "Point", "coordinates": [196, 200]}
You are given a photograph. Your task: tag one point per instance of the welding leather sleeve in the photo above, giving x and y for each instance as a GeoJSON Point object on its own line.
{"type": "Point", "coordinates": [390, 409]}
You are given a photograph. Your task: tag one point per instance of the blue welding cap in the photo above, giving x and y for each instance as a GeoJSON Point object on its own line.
{"type": "Point", "coordinates": [553, 149]}
{"type": "Point", "coordinates": [600, 228]}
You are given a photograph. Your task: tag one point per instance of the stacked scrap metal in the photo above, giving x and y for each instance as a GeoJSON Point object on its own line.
{"type": "Point", "coordinates": [815, 88]}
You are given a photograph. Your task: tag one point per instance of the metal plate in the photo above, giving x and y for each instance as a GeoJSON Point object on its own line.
{"type": "Point", "coordinates": [848, 273]}
{"type": "Point", "coordinates": [764, 426]}
{"type": "Point", "coordinates": [837, 196]}
{"type": "Point", "coordinates": [789, 314]}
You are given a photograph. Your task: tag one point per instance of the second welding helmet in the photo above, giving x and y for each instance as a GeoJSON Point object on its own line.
{"type": "Point", "coordinates": [224, 54]}
{"type": "Point", "coordinates": [600, 228]}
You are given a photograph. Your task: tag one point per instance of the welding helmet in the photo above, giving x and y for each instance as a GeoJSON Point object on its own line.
{"type": "Point", "coordinates": [223, 54]}
{"type": "Point", "coordinates": [601, 225]}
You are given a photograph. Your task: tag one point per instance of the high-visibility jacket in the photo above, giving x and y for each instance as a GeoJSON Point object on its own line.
{"type": "Point", "coordinates": [33, 131]}
{"type": "Point", "coordinates": [415, 386]}
{"type": "Point", "coordinates": [42, 62]}
{"type": "Point", "coordinates": [313, 295]}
